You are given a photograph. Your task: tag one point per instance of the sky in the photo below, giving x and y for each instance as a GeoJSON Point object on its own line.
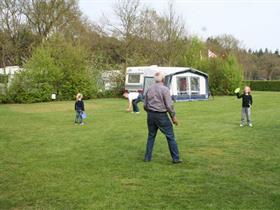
{"type": "Point", "coordinates": [256, 23]}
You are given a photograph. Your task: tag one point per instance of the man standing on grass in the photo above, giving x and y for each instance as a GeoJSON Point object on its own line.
{"type": "Point", "coordinates": [157, 103]}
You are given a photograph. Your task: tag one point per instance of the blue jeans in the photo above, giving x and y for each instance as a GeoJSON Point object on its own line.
{"type": "Point", "coordinates": [79, 118]}
{"type": "Point", "coordinates": [160, 121]}
{"type": "Point", "coordinates": [246, 113]}
{"type": "Point", "coordinates": [135, 102]}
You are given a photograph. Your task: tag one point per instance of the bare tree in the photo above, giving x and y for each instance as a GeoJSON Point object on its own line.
{"type": "Point", "coordinates": [127, 26]}
{"type": "Point", "coordinates": [10, 16]}
{"type": "Point", "coordinates": [160, 35]}
{"type": "Point", "coordinates": [49, 16]}
{"type": "Point", "coordinates": [269, 65]}
{"type": "Point", "coordinates": [248, 61]}
{"type": "Point", "coordinates": [173, 31]}
{"type": "Point", "coordinates": [229, 42]}
{"type": "Point", "coordinates": [149, 20]}
{"type": "Point", "coordinates": [11, 23]}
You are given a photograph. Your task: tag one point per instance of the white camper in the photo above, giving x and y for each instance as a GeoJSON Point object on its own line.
{"type": "Point", "coordinates": [109, 78]}
{"type": "Point", "coordinates": [9, 72]}
{"type": "Point", "coordinates": [185, 83]}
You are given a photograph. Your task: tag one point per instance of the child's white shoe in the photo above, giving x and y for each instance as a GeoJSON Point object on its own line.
{"type": "Point", "coordinates": [250, 125]}
{"type": "Point", "coordinates": [241, 125]}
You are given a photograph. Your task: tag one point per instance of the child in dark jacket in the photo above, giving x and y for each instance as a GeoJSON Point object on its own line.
{"type": "Point", "coordinates": [247, 101]}
{"type": "Point", "coordinates": [79, 107]}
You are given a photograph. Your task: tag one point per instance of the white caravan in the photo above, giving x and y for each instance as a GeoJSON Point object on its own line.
{"type": "Point", "coordinates": [9, 72]}
{"type": "Point", "coordinates": [185, 83]}
{"type": "Point", "coordinates": [109, 79]}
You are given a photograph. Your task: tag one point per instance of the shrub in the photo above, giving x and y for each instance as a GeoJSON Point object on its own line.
{"type": "Point", "coordinates": [224, 74]}
{"type": "Point", "coordinates": [4, 98]}
{"type": "Point", "coordinates": [55, 67]}
{"type": "Point", "coordinates": [261, 85]}
{"type": "Point", "coordinates": [114, 93]}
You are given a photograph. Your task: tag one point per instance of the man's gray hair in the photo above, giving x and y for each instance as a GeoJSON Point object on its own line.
{"type": "Point", "coordinates": [159, 77]}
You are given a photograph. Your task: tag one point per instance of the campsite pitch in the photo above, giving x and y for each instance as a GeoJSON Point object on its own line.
{"type": "Point", "coordinates": [48, 163]}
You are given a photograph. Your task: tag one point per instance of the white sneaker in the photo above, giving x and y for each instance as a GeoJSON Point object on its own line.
{"type": "Point", "coordinates": [241, 125]}
{"type": "Point", "coordinates": [137, 112]}
{"type": "Point", "coordinates": [250, 125]}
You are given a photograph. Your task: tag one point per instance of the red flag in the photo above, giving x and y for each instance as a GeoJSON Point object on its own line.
{"type": "Point", "coordinates": [211, 54]}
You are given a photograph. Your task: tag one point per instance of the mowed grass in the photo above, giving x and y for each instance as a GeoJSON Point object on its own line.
{"type": "Point", "coordinates": [46, 162]}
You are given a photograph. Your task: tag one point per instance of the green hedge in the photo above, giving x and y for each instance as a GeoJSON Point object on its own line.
{"type": "Point", "coordinates": [263, 85]}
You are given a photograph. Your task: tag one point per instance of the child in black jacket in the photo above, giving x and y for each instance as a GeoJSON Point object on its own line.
{"type": "Point", "coordinates": [247, 101]}
{"type": "Point", "coordinates": [79, 107]}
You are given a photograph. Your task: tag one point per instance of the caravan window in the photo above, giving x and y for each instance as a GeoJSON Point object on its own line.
{"type": "Point", "coordinates": [133, 78]}
{"type": "Point", "coordinates": [182, 85]}
{"type": "Point", "coordinates": [195, 86]}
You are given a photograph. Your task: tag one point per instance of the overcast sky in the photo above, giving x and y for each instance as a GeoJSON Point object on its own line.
{"type": "Point", "coordinates": [254, 22]}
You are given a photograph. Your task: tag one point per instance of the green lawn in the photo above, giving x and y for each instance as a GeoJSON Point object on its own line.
{"type": "Point", "coordinates": [46, 162]}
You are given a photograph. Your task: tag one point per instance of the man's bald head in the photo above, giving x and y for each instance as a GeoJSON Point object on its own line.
{"type": "Point", "coordinates": [159, 77]}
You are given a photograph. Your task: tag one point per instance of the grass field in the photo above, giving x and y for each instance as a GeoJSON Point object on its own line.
{"type": "Point", "coordinates": [46, 162]}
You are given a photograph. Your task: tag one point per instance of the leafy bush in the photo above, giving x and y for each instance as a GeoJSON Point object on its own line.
{"type": "Point", "coordinates": [4, 78]}
{"type": "Point", "coordinates": [4, 98]}
{"type": "Point", "coordinates": [224, 74]}
{"type": "Point", "coordinates": [232, 74]}
{"type": "Point", "coordinates": [114, 93]}
{"type": "Point", "coordinates": [193, 57]}
{"type": "Point", "coordinates": [261, 85]}
{"type": "Point", "coordinates": [55, 67]}
{"type": "Point", "coordinates": [24, 89]}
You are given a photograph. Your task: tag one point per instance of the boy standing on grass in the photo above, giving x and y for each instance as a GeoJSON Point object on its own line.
{"type": "Point", "coordinates": [247, 101]}
{"type": "Point", "coordinates": [79, 107]}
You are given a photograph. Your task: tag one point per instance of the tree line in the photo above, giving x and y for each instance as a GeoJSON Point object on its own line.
{"type": "Point", "coordinates": [62, 51]}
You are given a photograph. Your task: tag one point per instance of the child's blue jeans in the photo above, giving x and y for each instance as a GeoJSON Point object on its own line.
{"type": "Point", "coordinates": [246, 114]}
{"type": "Point", "coordinates": [135, 102]}
{"type": "Point", "coordinates": [79, 118]}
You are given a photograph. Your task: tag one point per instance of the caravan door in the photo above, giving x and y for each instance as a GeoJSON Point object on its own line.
{"type": "Point", "coordinates": [148, 81]}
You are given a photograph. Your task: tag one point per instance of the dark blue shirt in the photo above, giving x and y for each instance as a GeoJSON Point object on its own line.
{"type": "Point", "coordinates": [247, 100]}
{"type": "Point", "coordinates": [79, 106]}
